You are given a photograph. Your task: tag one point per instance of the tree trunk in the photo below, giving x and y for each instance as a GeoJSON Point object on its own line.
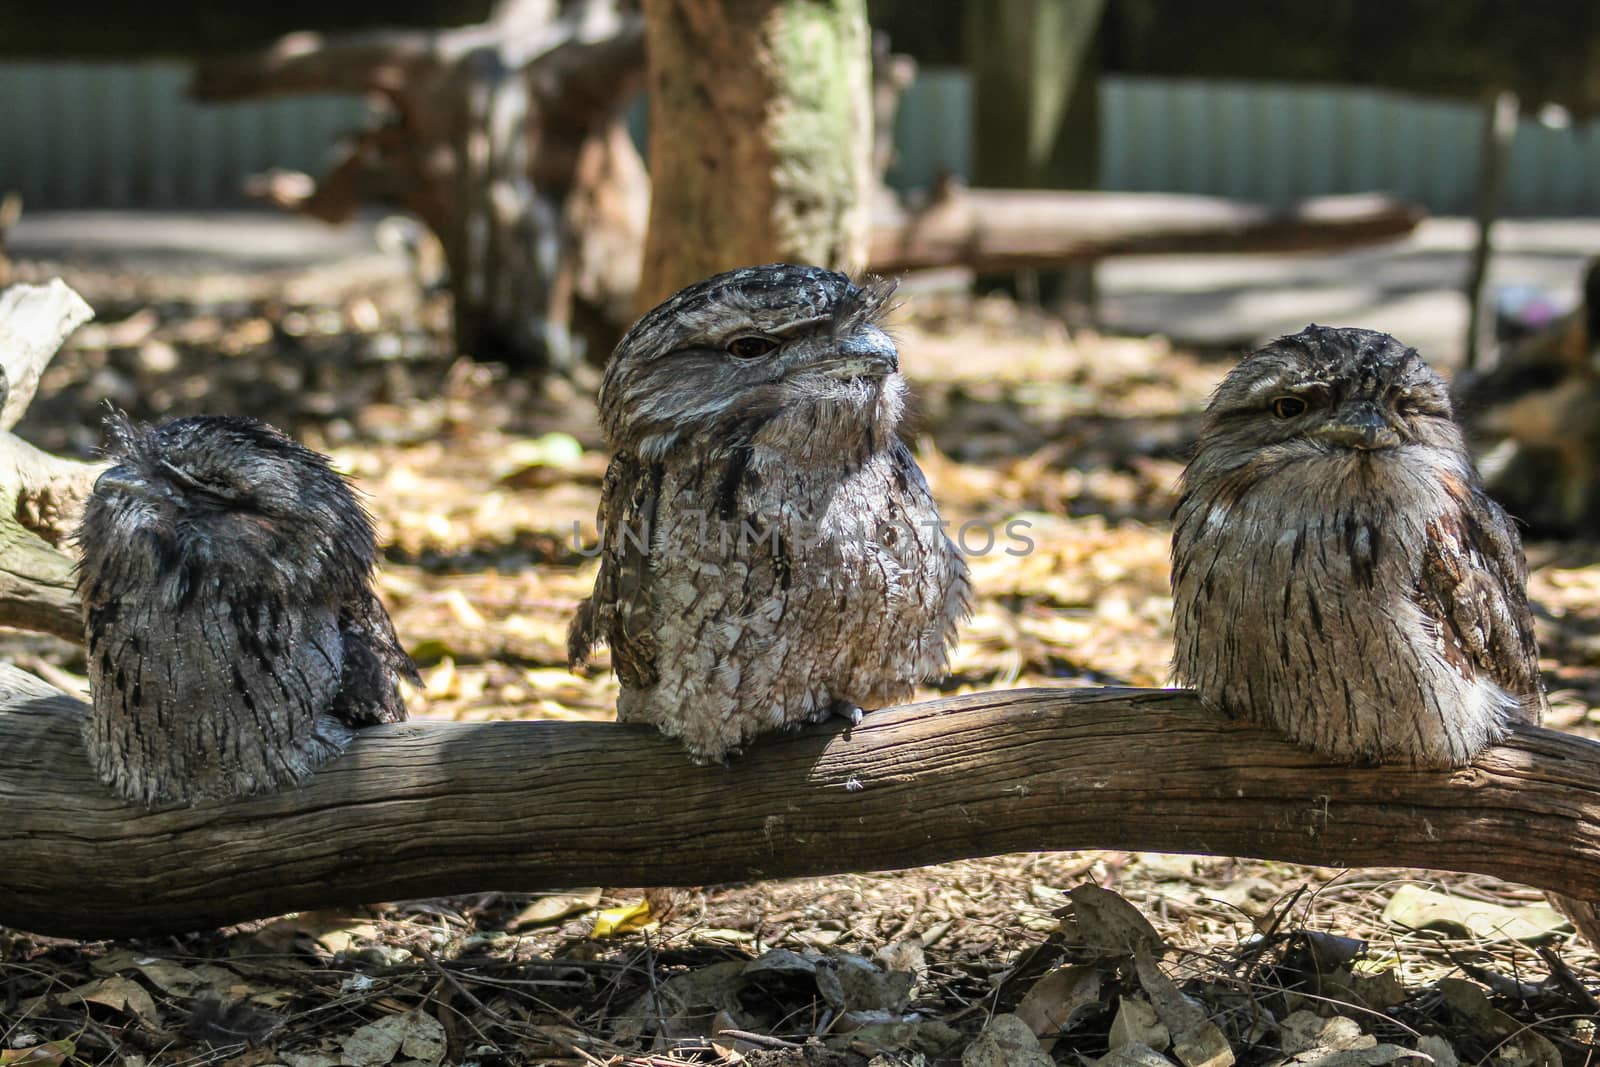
{"type": "Point", "coordinates": [760, 137]}
{"type": "Point", "coordinates": [1036, 119]}
{"type": "Point", "coordinates": [1500, 113]}
{"type": "Point", "coordinates": [426, 809]}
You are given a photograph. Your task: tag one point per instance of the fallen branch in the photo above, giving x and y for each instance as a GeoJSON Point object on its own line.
{"type": "Point", "coordinates": [507, 140]}
{"type": "Point", "coordinates": [1011, 229]}
{"type": "Point", "coordinates": [427, 809]}
{"type": "Point", "coordinates": [34, 320]}
{"type": "Point", "coordinates": [41, 495]}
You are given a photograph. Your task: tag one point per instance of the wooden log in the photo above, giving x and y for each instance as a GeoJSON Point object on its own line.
{"type": "Point", "coordinates": [38, 583]}
{"type": "Point", "coordinates": [41, 495]}
{"type": "Point", "coordinates": [1013, 229]}
{"type": "Point", "coordinates": [34, 320]}
{"type": "Point", "coordinates": [422, 809]}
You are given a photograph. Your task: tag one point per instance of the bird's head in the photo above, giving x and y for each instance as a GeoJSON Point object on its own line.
{"type": "Point", "coordinates": [221, 498]}
{"type": "Point", "coordinates": [729, 357]}
{"type": "Point", "coordinates": [1328, 392]}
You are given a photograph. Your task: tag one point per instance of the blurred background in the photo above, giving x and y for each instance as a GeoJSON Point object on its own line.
{"type": "Point", "coordinates": [1213, 177]}
{"type": "Point", "coordinates": [384, 188]}
{"type": "Point", "coordinates": [340, 216]}
{"type": "Point", "coordinates": [336, 215]}
{"type": "Point", "coordinates": [1241, 101]}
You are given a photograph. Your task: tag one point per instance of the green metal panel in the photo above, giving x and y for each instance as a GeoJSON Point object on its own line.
{"type": "Point", "coordinates": [1275, 143]}
{"type": "Point", "coordinates": [124, 135]}
{"type": "Point", "coordinates": [113, 135]}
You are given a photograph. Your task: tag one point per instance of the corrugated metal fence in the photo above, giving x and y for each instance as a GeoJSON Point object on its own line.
{"type": "Point", "coordinates": [1274, 143]}
{"type": "Point", "coordinates": [124, 135]}
{"type": "Point", "coordinates": [99, 135]}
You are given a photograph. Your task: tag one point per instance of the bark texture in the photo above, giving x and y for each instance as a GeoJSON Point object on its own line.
{"type": "Point", "coordinates": [760, 137]}
{"type": "Point", "coordinates": [41, 496]}
{"type": "Point", "coordinates": [424, 809]}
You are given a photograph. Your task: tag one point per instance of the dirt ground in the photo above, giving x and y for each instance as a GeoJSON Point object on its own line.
{"type": "Point", "coordinates": [485, 487]}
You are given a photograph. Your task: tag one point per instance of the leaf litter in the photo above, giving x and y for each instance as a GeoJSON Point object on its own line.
{"type": "Point", "coordinates": [485, 491]}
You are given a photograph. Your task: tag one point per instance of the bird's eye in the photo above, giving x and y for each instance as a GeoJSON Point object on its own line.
{"type": "Point", "coordinates": [1287, 407]}
{"type": "Point", "coordinates": [180, 476]}
{"type": "Point", "coordinates": [207, 490]}
{"type": "Point", "coordinates": [1412, 405]}
{"type": "Point", "coordinates": [751, 347]}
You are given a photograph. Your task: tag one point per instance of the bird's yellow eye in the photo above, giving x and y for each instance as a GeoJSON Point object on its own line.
{"type": "Point", "coordinates": [750, 347]}
{"type": "Point", "coordinates": [1287, 407]}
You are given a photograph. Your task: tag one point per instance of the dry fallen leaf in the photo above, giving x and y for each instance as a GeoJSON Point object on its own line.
{"type": "Point", "coordinates": [1059, 999]}
{"type": "Point", "coordinates": [169, 977]}
{"type": "Point", "coordinates": [118, 994]}
{"type": "Point", "coordinates": [1416, 908]}
{"type": "Point", "coordinates": [418, 1035]}
{"type": "Point", "coordinates": [628, 919]}
{"type": "Point", "coordinates": [1196, 1040]}
{"type": "Point", "coordinates": [1134, 1055]}
{"type": "Point", "coordinates": [1515, 1045]}
{"type": "Point", "coordinates": [50, 1054]}
{"type": "Point", "coordinates": [1136, 1023]}
{"type": "Point", "coordinates": [1006, 1041]}
{"type": "Point", "coordinates": [1111, 925]}
{"type": "Point", "coordinates": [553, 906]}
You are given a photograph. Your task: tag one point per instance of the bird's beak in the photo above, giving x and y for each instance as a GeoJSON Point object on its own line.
{"type": "Point", "coordinates": [120, 479]}
{"type": "Point", "coordinates": [867, 352]}
{"type": "Point", "coordinates": [1359, 425]}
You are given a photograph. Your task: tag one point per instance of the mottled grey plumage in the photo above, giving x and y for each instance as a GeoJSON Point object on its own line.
{"type": "Point", "coordinates": [760, 406]}
{"type": "Point", "coordinates": [234, 638]}
{"type": "Point", "coordinates": [1338, 572]}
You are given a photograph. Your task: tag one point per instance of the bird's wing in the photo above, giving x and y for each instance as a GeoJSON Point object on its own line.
{"type": "Point", "coordinates": [618, 612]}
{"type": "Point", "coordinates": [374, 663]}
{"type": "Point", "coordinates": [1474, 586]}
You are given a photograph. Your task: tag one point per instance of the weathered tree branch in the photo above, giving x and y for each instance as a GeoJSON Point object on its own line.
{"type": "Point", "coordinates": [34, 320]}
{"type": "Point", "coordinates": [41, 495]}
{"type": "Point", "coordinates": [507, 140]}
{"type": "Point", "coordinates": [422, 809]}
{"type": "Point", "coordinates": [1011, 229]}
{"type": "Point", "coordinates": [367, 61]}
